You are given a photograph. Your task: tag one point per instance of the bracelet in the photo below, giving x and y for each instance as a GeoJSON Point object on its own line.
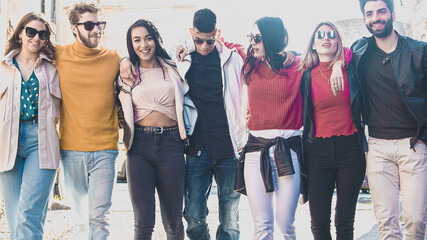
{"type": "Point", "coordinates": [123, 58]}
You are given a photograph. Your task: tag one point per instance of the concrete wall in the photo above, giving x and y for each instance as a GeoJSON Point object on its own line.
{"type": "Point", "coordinates": [11, 12]}
{"type": "Point", "coordinates": [419, 19]}
{"type": "Point", "coordinates": [353, 29]}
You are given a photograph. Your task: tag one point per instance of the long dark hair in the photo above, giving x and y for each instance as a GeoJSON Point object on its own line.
{"type": "Point", "coordinates": [275, 39]}
{"type": "Point", "coordinates": [14, 42]}
{"type": "Point", "coordinates": [160, 51]}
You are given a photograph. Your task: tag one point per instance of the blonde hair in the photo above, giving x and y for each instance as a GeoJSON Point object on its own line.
{"type": "Point", "coordinates": [310, 59]}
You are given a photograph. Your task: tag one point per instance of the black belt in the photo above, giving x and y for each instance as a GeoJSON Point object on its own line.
{"type": "Point", "coordinates": [159, 130]}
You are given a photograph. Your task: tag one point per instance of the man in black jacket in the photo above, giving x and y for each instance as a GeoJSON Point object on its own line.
{"type": "Point", "coordinates": [393, 73]}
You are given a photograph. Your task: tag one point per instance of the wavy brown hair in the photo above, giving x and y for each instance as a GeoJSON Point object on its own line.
{"type": "Point", "coordinates": [15, 42]}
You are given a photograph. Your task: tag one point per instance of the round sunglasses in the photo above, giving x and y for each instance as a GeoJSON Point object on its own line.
{"type": "Point", "coordinates": [32, 32]}
{"type": "Point", "coordinates": [322, 34]}
{"type": "Point", "coordinates": [89, 26]}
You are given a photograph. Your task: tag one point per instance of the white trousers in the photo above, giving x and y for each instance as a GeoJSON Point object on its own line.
{"type": "Point", "coordinates": [286, 194]}
{"type": "Point", "coordinates": [392, 166]}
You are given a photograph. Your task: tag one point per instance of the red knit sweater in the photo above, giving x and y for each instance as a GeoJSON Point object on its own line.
{"type": "Point", "coordinates": [275, 101]}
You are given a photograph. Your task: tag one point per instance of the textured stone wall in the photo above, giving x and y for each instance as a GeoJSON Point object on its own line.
{"type": "Point", "coordinates": [353, 29]}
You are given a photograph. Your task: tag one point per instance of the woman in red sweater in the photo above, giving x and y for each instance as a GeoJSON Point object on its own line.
{"type": "Point", "coordinates": [271, 166]}
{"type": "Point", "coordinates": [333, 135]}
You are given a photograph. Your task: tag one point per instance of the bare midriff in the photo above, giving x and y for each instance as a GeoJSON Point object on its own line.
{"type": "Point", "coordinates": [156, 119]}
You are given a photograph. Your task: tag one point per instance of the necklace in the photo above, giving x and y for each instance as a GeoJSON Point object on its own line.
{"type": "Point", "coordinates": [320, 70]}
{"type": "Point", "coordinates": [28, 70]}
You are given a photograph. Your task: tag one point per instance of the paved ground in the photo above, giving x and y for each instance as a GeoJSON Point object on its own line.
{"type": "Point", "coordinates": [58, 223]}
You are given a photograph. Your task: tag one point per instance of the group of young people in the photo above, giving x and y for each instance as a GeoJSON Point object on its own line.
{"type": "Point", "coordinates": [213, 109]}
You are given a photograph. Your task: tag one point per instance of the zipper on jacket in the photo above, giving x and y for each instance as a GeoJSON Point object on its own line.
{"type": "Point", "coordinates": [406, 104]}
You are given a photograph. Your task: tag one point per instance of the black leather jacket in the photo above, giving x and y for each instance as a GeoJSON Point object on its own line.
{"type": "Point", "coordinates": [409, 63]}
{"type": "Point", "coordinates": [356, 104]}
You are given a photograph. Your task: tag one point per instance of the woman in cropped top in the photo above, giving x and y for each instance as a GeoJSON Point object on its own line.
{"type": "Point", "coordinates": [153, 132]}
{"type": "Point", "coordinates": [333, 135]}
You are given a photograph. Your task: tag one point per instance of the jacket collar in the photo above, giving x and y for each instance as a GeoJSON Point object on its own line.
{"type": "Point", "coordinates": [371, 40]}
{"type": "Point", "coordinates": [224, 52]}
{"type": "Point", "coordinates": [8, 59]}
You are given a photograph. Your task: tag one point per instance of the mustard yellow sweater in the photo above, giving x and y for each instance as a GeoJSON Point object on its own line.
{"type": "Point", "coordinates": [88, 120]}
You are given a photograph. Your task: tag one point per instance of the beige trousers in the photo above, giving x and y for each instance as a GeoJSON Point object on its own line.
{"type": "Point", "coordinates": [392, 166]}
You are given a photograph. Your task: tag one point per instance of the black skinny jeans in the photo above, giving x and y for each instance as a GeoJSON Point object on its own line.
{"type": "Point", "coordinates": [332, 161]}
{"type": "Point", "coordinates": [157, 161]}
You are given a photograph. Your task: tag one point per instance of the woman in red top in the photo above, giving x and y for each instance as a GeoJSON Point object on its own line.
{"type": "Point", "coordinates": [271, 166]}
{"type": "Point", "coordinates": [333, 135]}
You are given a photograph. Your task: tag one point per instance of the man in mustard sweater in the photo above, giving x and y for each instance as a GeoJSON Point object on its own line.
{"type": "Point", "coordinates": [88, 122]}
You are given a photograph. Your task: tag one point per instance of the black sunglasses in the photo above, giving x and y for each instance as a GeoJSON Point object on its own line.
{"type": "Point", "coordinates": [31, 32]}
{"type": "Point", "coordinates": [331, 34]}
{"type": "Point", "coordinates": [90, 25]}
{"type": "Point", "coordinates": [256, 38]}
{"type": "Point", "coordinates": [210, 41]}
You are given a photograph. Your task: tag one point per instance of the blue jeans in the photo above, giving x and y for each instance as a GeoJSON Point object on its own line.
{"type": "Point", "coordinates": [89, 179]}
{"type": "Point", "coordinates": [198, 183]}
{"type": "Point", "coordinates": [26, 187]}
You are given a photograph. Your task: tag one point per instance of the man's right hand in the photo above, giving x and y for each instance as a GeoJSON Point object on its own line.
{"type": "Point", "coordinates": [180, 53]}
{"type": "Point", "coordinates": [127, 70]}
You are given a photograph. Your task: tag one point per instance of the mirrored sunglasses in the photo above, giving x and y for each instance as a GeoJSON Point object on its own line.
{"type": "Point", "coordinates": [31, 32]}
{"type": "Point", "coordinates": [210, 41]}
{"type": "Point", "coordinates": [331, 34]}
{"type": "Point", "coordinates": [89, 26]}
{"type": "Point", "coordinates": [255, 38]}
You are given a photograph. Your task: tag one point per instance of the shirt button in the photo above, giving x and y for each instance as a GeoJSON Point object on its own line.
{"type": "Point", "coordinates": [43, 87]}
{"type": "Point", "coordinates": [44, 148]}
{"type": "Point", "coordinates": [43, 128]}
{"type": "Point", "coordinates": [43, 107]}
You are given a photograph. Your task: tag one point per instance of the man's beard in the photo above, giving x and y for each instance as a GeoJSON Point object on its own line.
{"type": "Point", "coordinates": [384, 32]}
{"type": "Point", "coordinates": [86, 40]}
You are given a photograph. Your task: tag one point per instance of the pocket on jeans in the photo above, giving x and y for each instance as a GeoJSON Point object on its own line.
{"type": "Point", "coordinates": [372, 140]}
{"type": "Point", "coordinates": [376, 159]}
{"type": "Point", "coordinates": [65, 154]}
{"type": "Point", "coordinates": [175, 136]}
{"type": "Point", "coordinates": [112, 152]}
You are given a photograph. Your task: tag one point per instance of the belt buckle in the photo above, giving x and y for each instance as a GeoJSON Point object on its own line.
{"type": "Point", "coordinates": [161, 130]}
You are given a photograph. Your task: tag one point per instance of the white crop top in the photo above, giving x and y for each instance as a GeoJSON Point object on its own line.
{"type": "Point", "coordinates": [154, 92]}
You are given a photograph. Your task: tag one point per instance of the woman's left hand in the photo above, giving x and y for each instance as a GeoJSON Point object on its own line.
{"type": "Point", "coordinates": [337, 78]}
